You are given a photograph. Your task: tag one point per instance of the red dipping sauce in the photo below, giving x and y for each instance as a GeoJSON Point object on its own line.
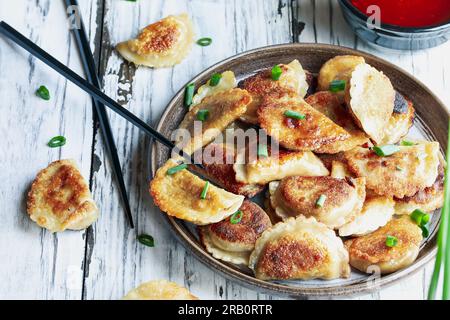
{"type": "Point", "coordinates": [409, 13]}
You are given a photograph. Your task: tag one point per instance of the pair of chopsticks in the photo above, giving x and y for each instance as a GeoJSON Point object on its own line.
{"type": "Point", "coordinates": [100, 98]}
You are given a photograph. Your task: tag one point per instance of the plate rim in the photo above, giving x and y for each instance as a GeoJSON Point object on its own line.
{"type": "Point", "coordinates": [195, 248]}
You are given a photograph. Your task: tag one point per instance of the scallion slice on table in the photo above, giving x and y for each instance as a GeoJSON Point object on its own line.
{"type": "Point", "coordinates": [262, 150]}
{"type": "Point", "coordinates": [175, 169]}
{"type": "Point", "coordinates": [385, 151]}
{"type": "Point", "coordinates": [146, 240]}
{"type": "Point", "coordinates": [202, 115]}
{"type": "Point", "coordinates": [57, 142]}
{"type": "Point", "coordinates": [276, 72]}
{"type": "Point", "coordinates": [204, 42]}
{"type": "Point", "coordinates": [391, 241]}
{"type": "Point", "coordinates": [236, 217]}
{"type": "Point", "coordinates": [189, 94]}
{"type": "Point", "coordinates": [294, 115]}
{"type": "Point", "coordinates": [321, 201]}
{"type": "Point", "coordinates": [215, 79]}
{"type": "Point", "coordinates": [337, 85]}
{"type": "Point", "coordinates": [43, 93]}
{"type": "Point", "coordinates": [204, 191]}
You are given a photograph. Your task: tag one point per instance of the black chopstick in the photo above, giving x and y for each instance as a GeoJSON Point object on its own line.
{"type": "Point", "coordinates": [45, 57]}
{"type": "Point", "coordinates": [99, 109]}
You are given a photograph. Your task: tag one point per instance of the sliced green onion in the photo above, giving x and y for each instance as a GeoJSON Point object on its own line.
{"type": "Point", "coordinates": [236, 217]}
{"type": "Point", "coordinates": [425, 231]}
{"type": "Point", "coordinates": [276, 72]}
{"type": "Point", "coordinates": [407, 143]}
{"type": "Point", "coordinates": [202, 115]}
{"type": "Point", "coordinates": [146, 240]}
{"type": "Point", "coordinates": [391, 241]}
{"type": "Point", "coordinates": [189, 94]}
{"type": "Point", "coordinates": [204, 42]}
{"type": "Point", "coordinates": [43, 93]}
{"type": "Point", "coordinates": [387, 150]}
{"type": "Point", "coordinates": [321, 201]}
{"type": "Point", "coordinates": [174, 170]}
{"type": "Point", "coordinates": [419, 217]}
{"type": "Point", "coordinates": [425, 219]}
{"type": "Point", "coordinates": [337, 85]}
{"type": "Point", "coordinates": [205, 191]}
{"type": "Point", "coordinates": [398, 168]}
{"type": "Point", "coordinates": [294, 115]}
{"type": "Point", "coordinates": [57, 142]}
{"type": "Point", "coordinates": [262, 150]}
{"type": "Point", "coordinates": [215, 79]}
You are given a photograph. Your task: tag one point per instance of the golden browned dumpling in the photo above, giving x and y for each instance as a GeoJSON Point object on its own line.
{"type": "Point", "coordinates": [276, 166]}
{"type": "Point", "coordinates": [60, 199]}
{"type": "Point", "coordinates": [428, 199]}
{"type": "Point", "coordinates": [370, 98]}
{"type": "Point", "coordinates": [398, 125]}
{"type": "Point", "coordinates": [337, 68]}
{"type": "Point", "coordinates": [161, 44]}
{"type": "Point", "coordinates": [312, 132]}
{"type": "Point", "coordinates": [329, 104]}
{"type": "Point", "coordinates": [297, 195]}
{"type": "Point", "coordinates": [227, 82]}
{"type": "Point", "coordinates": [221, 170]}
{"type": "Point", "coordinates": [299, 248]}
{"type": "Point", "coordinates": [159, 290]}
{"type": "Point", "coordinates": [292, 81]}
{"type": "Point", "coordinates": [371, 250]}
{"type": "Point", "coordinates": [179, 195]}
{"type": "Point", "coordinates": [233, 242]}
{"type": "Point", "coordinates": [222, 109]}
{"type": "Point", "coordinates": [404, 173]}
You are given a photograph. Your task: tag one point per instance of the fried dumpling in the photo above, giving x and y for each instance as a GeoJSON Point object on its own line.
{"type": "Point", "coordinates": [371, 250]}
{"type": "Point", "coordinates": [179, 195]}
{"type": "Point", "coordinates": [376, 212]}
{"type": "Point", "coordinates": [221, 110]}
{"type": "Point", "coordinates": [298, 196]}
{"type": "Point", "coordinates": [60, 199]}
{"type": "Point", "coordinates": [221, 170]}
{"type": "Point", "coordinates": [340, 170]}
{"type": "Point", "coordinates": [161, 44]}
{"type": "Point", "coordinates": [233, 242]}
{"type": "Point", "coordinates": [398, 125]}
{"type": "Point", "coordinates": [404, 173]}
{"type": "Point", "coordinates": [312, 132]}
{"type": "Point", "coordinates": [428, 199]}
{"type": "Point", "coordinates": [329, 104]}
{"type": "Point", "coordinates": [299, 248]}
{"type": "Point", "coordinates": [370, 99]}
{"type": "Point", "coordinates": [227, 82]}
{"type": "Point", "coordinates": [276, 166]}
{"type": "Point", "coordinates": [337, 68]}
{"type": "Point", "coordinates": [159, 290]}
{"type": "Point", "coordinates": [292, 80]}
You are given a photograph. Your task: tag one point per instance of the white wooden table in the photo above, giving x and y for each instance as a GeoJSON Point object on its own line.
{"type": "Point", "coordinates": [106, 261]}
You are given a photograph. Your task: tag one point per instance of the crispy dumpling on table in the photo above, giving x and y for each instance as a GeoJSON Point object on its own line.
{"type": "Point", "coordinates": [161, 44]}
{"type": "Point", "coordinates": [234, 242]}
{"type": "Point", "coordinates": [222, 109]}
{"type": "Point", "coordinates": [227, 82]}
{"type": "Point", "coordinates": [276, 166]}
{"type": "Point", "coordinates": [299, 248]}
{"type": "Point", "coordinates": [428, 199]}
{"type": "Point", "coordinates": [298, 196]}
{"type": "Point", "coordinates": [398, 125]}
{"type": "Point", "coordinates": [371, 250]}
{"type": "Point", "coordinates": [370, 98]}
{"type": "Point", "coordinates": [337, 68]}
{"type": "Point", "coordinates": [329, 104]}
{"type": "Point", "coordinates": [221, 170]}
{"type": "Point", "coordinates": [340, 170]}
{"type": "Point", "coordinates": [376, 212]}
{"type": "Point", "coordinates": [159, 290]}
{"type": "Point", "coordinates": [309, 134]}
{"type": "Point", "coordinates": [292, 81]}
{"type": "Point", "coordinates": [60, 199]}
{"type": "Point", "coordinates": [401, 174]}
{"type": "Point", "coordinates": [179, 195]}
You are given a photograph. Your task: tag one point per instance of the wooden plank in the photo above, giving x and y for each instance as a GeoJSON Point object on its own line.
{"type": "Point", "coordinates": [115, 261]}
{"type": "Point", "coordinates": [35, 263]}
